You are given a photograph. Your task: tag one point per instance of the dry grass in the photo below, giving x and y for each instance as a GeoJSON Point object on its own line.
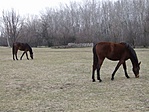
{"type": "Point", "coordinates": [59, 80]}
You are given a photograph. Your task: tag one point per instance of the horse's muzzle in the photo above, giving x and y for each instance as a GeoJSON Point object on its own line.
{"type": "Point", "coordinates": [137, 76]}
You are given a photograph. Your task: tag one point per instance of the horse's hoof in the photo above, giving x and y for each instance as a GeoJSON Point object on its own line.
{"type": "Point", "coordinates": [127, 77]}
{"type": "Point", "coordinates": [93, 80]}
{"type": "Point", "coordinates": [100, 80]}
{"type": "Point", "coordinates": [112, 79]}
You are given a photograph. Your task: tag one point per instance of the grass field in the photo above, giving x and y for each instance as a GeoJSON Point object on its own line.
{"type": "Point", "coordinates": [59, 80]}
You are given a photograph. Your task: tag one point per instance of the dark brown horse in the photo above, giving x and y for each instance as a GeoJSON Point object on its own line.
{"type": "Point", "coordinates": [22, 47]}
{"type": "Point", "coordinates": [116, 52]}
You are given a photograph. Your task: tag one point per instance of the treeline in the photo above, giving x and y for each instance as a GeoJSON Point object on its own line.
{"type": "Point", "coordinates": [90, 21]}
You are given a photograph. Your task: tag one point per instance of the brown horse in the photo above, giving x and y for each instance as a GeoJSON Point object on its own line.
{"type": "Point", "coordinates": [22, 47]}
{"type": "Point", "coordinates": [116, 52]}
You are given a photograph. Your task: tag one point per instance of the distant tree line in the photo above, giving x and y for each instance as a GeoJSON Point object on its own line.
{"type": "Point", "coordinates": [90, 21]}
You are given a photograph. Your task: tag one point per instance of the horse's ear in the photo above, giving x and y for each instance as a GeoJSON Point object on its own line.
{"type": "Point", "coordinates": [139, 63]}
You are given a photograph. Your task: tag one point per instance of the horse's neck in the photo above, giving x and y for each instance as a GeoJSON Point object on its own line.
{"type": "Point", "coordinates": [134, 62]}
{"type": "Point", "coordinates": [30, 50]}
{"type": "Point", "coordinates": [133, 56]}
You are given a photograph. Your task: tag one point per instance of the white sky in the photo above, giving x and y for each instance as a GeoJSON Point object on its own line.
{"type": "Point", "coordinates": [32, 7]}
{"type": "Point", "coordinates": [24, 7]}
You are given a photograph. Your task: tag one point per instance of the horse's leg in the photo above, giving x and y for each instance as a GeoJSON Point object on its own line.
{"type": "Point", "coordinates": [27, 56]}
{"type": "Point", "coordinates": [13, 52]}
{"type": "Point", "coordinates": [22, 55]}
{"type": "Point", "coordinates": [98, 74]}
{"type": "Point", "coordinates": [93, 72]}
{"type": "Point", "coordinates": [16, 54]}
{"type": "Point", "coordinates": [13, 56]}
{"type": "Point", "coordinates": [116, 68]}
{"type": "Point", "coordinates": [96, 66]}
{"type": "Point", "coordinates": [98, 69]}
{"type": "Point", "coordinates": [125, 69]}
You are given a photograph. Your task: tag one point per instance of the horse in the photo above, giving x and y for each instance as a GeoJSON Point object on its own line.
{"type": "Point", "coordinates": [116, 52]}
{"type": "Point", "coordinates": [22, 47]}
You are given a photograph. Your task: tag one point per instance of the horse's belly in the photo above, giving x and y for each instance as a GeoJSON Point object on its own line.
{"type": "Point", "coordinates": [113, 59]}
{"type": "Point", "coordinates": [117, 58]}
{"type": "Point", "coordinates": [114, 56]}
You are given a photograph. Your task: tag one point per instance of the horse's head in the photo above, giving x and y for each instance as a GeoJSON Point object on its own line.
{"type": "Point", "coordinates": [136, 70]}
{"type": "Point", "coordinates": [31, 55]}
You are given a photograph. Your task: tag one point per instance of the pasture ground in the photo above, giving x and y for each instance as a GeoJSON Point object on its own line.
{"type": "Point", "coordinates": [59, 80]}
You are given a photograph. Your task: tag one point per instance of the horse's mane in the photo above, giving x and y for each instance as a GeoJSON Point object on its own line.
{"type": "Point", "coordinates": [132, 52]}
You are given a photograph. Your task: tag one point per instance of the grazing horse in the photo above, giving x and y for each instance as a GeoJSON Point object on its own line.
{"type": "Point", "coordinates": [115, 52]}
{"type": "Point", "coordinates": [22, 47]}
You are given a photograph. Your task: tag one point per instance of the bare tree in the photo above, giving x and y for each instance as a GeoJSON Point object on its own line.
{"type": "Point", "coordinates": [12, 24]}
{"type": "Point", "coordinates": [88, 21]}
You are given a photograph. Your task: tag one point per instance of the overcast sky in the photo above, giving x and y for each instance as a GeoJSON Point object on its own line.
{"type": "Point", "coordinates": [32, 7]}
{"type": "Point", "coordinates": [24, 7]}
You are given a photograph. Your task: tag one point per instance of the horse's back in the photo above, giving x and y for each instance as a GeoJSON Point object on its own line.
{"type": "Point", "coordinates": [110, 46]}
{"type": "Point", "coordinates": [112, 51]}
{"type": "Point", "coordinates": [105, 47]}
{"type": "Point", "coordinates": [21, 46]}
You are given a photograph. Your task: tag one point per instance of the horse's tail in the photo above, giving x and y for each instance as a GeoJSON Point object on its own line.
{"type": "Point", "coordinates": [95, 57]}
